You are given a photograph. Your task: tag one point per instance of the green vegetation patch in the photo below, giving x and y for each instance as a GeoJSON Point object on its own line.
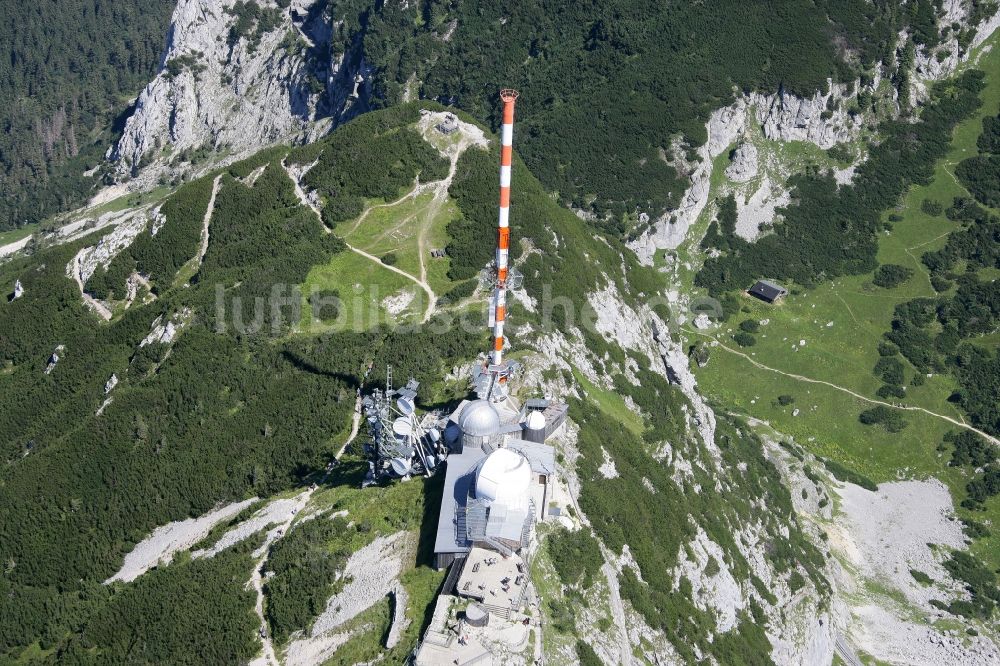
{"type": "Point", "coordinates": [190, 612]}
{"type": "Point", "coordinates": [374, 157]}
{"type": "Point", "coordinates": [69, 73]}
{"type": "Point", "coordinates": [979, 582]}
{"type": "Point", "coordinates": [304, 570]}
{"type": "Point", "coordinates": [658, 521]}
{"type": "Point", "coordinates": [605, 87]}
{"type": "Point", "coordinates": [159, 257]}
{"type": "Point", "coordinates": [576, 556]}
{"type": "Point", "coordinates": [831, 231]}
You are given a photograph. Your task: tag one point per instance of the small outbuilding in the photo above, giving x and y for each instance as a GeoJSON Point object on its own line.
{"type": "Point", "coordinates": [767, 291]}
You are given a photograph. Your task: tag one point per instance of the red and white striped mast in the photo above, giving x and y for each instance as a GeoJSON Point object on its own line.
{"type": "Point", "coordinates": [498, 370]}
{"type": "Point", "coordinates": [503, 231]}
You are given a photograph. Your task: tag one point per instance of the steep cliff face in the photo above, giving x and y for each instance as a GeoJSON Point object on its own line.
{"type": "Point", "coordinates": [822, 119]}
{"type": "Point", "coordinates": [235, 76]}
{"type": "Point", "coordinates": [715, 574]}
{"type": "Point", "coordinates": [942, 60]}
{"type": "Point", "coordinates": [827, 118]}
{"type": "Point", "coordinates": [932, 64]}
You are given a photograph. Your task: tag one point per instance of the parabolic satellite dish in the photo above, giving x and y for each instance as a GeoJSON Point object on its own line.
{"type": "Point", "coordinates": [402, 427]}
{"type": "Point", "coordinates": [401, 466]}
{"type": "Point", "coordinates": [405, 405]}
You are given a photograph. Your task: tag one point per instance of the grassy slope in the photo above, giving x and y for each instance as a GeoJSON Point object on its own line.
{"type": "Point", "coordinates": [398, 229]}
{"type": "Point", "coordinates": [845, 352]}
{"type": "Point", "coordinates": [611, 404]}
{"type": "Point", "coordinates": [17, 234]}
{"type": "Point", "coordinates": [406, 227]}
{"type": "Point", "coordinates": [362, 285]}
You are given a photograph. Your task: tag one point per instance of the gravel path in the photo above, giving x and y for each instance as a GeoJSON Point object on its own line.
{"type": "Point", "coordinates": [306, 201]}
{"type": "Point", "coordinates": [617, 608]}
{"type": "Point", "coordinates": [100, 308]}
{"type": "Point", "coordinates": [257, 577]}
{"type": "Point", "coordinates": [809, 380]}
{"type": "Point", "coordinates": [11, 248]}
{"type": "Point", "coordinates": [207, 220]}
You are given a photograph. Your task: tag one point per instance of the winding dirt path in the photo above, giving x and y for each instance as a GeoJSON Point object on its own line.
{"type": "Point", "coordinates": [431, 297]}
{"type": "Point", "coordinates": [617, 607]}
{"type": "Point", "coordinates": [842, 389]}
{"type": "Point", "coordinates": [417, 190]}
{"type": "Point", "coordinates": [270, 657]}
{"type": "Point", "coordinates": [422, 283]}
{"type": "Point", "coordinates": [440, 189]}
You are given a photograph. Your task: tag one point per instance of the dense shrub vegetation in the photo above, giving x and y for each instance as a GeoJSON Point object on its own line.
{"type": "Point", "coordinates": [372, 157]}
{"type": "Point", "coordinates": [305, 569]}
{"type": "Point", "coordinates": [939, 334]}
{"type": "Point", "coordinates": [970, 450]}
{"type": "Point", "coordinates": [981, 174]}
{"type": "Point", "coordinates": [721, 233]}
{"type": "Point", "coordinates": [829, 231]}
{"type": "Point", "coordinates": [218, 414]}
{"type": "Point", "coordinates": [979, 582]}
{"type": "Point", "coordinates": [66, 68]}
{"type": "Point", "coordinates": [884, 417]}
{"type": "Point", "coordinates": [192, 613]}
{"type": "Point", "coordinates": [576, 556]}
{"type": "Point", "coordinates": [606, 84]}
{"type": "Point", "coordinates": [659, 517]}
{"type": "Point", "coordinates": [159, 257]}
{"type": "Point", "coordinates": [891, 275]}
{"type": "Point", "coordinates": [252, 22]}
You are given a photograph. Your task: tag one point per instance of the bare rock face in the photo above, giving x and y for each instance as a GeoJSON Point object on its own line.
{"type": "Point", "coordinates": [941, 61]}
{"type": "Point", "coordinates": [723, 128]}
{"type": "Point", "coordinates": [229, 90]}
{"type": "Point", "coordinates": [820, 119]}
{"type": "Point", "coordinates": [744, 164]}
{"type": "Point", "coordinates": [125, 232]}
{"type": "Point", "coordinates": [759, 210]}
{"type": "Point", "coordinates": [783, 117]}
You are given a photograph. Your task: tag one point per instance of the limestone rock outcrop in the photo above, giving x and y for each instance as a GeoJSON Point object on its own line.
{"type": "Point", "coordinates": [744, 164]}
{"type": "Point", "coordinates": [820, 119]}
{"type": "Point", "coordinates": [942, 60]}
{"type": "Point", "coordinates": [233, 90]}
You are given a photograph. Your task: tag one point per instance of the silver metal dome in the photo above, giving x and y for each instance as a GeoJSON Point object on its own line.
{"type": "Point", "coordinates": [479, 419]}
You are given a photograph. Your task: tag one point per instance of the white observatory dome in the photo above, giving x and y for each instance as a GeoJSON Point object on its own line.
{"type": "Point", "coordinates": [479, 419]}
{"type": "Point", "coordinates": [535, 420]}
{"type": "Point", "coordinates": [504, 476]}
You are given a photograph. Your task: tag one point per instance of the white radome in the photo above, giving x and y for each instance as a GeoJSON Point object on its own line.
{"type": "Point", "coordinates": [536, 421]}
{"type": "Point", "coordinates": [504, 477]}
{"type": "Point", "coordinates": [479, 419]}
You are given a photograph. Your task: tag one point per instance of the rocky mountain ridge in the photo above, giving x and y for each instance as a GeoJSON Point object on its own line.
{"type": "Point", "coordinates": [826, 119]}
{"type": "Point", "coordinates": [236, 77]}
